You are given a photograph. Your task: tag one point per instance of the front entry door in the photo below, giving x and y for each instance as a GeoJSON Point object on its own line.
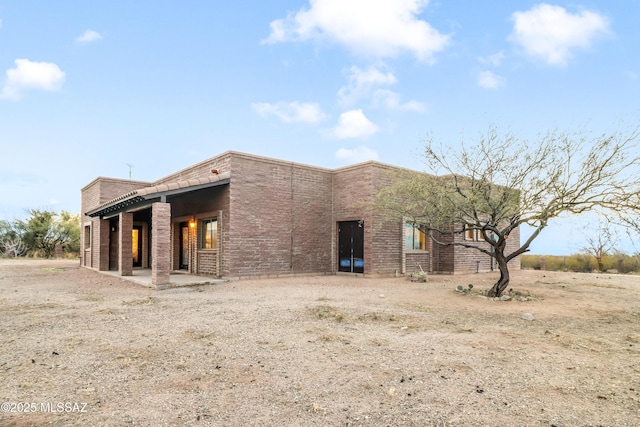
{"type": "Point", "coordinates": [184, 246]}
{"type": "Point", "coordinates": [114, 245]}
{"type": "Point", "coordinates": [136, 245]}
{"type": "Point", "coordinates": [351, 246]}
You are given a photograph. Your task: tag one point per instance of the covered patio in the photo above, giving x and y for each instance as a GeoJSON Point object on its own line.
{"type": "Point", "coordinates": [137, 233]}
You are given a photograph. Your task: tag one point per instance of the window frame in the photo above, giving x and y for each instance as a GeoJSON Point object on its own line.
{"type": "Point", "coordinates": [204, 234]}
{"type": "Point", "coordinates": [410, 230]}
{"type": "Point", "coordinates": [470, 234]}
{"type": "Point", "coordinates": [87, 237]}
{"type": "Point", "coordinates": [473, 234]}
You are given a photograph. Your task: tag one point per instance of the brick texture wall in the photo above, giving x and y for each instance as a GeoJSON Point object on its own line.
{"type": "Point", "coordinates": [354, 191]}
{"type": "Point", "coordinates": [280, 218]}
{"type": "Point", "coordinates": [415, 260]}
{"type": "Point", "coordinates": [207, 262]}
{"type": "Point", "coordinates": [468, 259]}
{"type": "Point", "coordinates": [472, 260]}
{"type": "Point", "coordinates": [160, 241]}
{"type": "Point", "coordinates": [220, 163]}
{"type": "Point", "coordinates": [351, 189]}
{"type": "Point", "coordinates": [387, 238]}
{"type": "Point", "coordinates": [93, 195]}
{"type": "Point", "coordinates": [513, 243]}
{"type": "Point", "coordinates": [458, 259]}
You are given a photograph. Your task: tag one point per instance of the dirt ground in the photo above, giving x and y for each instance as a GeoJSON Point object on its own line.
{"type": "Point", "coordinates": [81, 348]}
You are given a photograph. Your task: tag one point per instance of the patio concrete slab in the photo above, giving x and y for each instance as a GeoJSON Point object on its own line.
{"type": "Point", "coordinates": [176, 279]}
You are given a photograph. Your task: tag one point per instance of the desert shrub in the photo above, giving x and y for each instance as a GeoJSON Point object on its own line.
{"type": "Point", "coordinates": [610, 263]}
{"type": "Point", "coordinates": [580, 263]}
{"type": "Point", "coordinates": [530, 262]}
{"type": "Point", "coordinates": [583, 263]}
{"type": "Point", "coordinates": [622, 263]}
{"type": "Point", "coordinates": [543, 262]}
{"type": "Point", "coordinates": [556, 263]}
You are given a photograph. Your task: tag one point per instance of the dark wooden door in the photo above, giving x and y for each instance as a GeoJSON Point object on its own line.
{"type": "Point", "coordinates": [113, 246]}
{"type": "Point", "coordinates": [351, 246]}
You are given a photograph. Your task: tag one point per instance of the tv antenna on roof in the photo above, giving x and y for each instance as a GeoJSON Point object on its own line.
{"type": "Point", "coordinates": [130, 167]}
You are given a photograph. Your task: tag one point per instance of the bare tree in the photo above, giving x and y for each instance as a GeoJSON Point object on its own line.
{"type": "Point", "coordinates": [600, 240]}
{"type": "Point", "coordinates": [628, 215]}
{"type": "Point", "coordinates": [501, 182]}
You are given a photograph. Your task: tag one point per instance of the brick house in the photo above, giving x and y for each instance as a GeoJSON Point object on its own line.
{"type": "Point", "coordinates": [239, 215]}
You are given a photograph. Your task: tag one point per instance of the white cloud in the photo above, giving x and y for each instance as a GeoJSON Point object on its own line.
{"type": "Point", "coordinates": [356, 155]}
{"type": "Point", "coordinates": [290, 112]}
{"type": "Point", "coordinates": [88, 36]}
{"type": "Point", "coordinates": [361, 82]}
{"type": "Point", "coordinates": [550, 33]}
{"type": "Point", "coordinates": [391, 100]}
{"type": "Point", "coordinates": [354, 124]}
{"type": "Point", "coordinates": [31, 75]}
{"type": "Point", "coordinates": [379, 28]}
{"type": "Point", "coordinates": [494, 60]}
{"type": "Point", "coordinates": [490, 80]}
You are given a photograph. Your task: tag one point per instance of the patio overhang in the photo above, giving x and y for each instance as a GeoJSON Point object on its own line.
{"type": "Point", "coordinates": [145, 197]}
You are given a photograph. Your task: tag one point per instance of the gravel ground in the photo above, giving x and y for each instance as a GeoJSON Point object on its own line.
{"type": "Point", "coordinates": [80, 348]}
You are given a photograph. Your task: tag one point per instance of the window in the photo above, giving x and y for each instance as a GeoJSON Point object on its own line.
{"type": "Point", "coordinates": [209, 234]}
{"type": "Point", "coordinates": [473, 234]}
{"type": "Point", "coordinates": [470, 234]}
{"type": "Point", "coordinates": [414, 237]}
{"type": "Point", "coordinates": [87, 237]}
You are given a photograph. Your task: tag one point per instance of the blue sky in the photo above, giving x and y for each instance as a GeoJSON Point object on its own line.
{"type": "Point", "coordinates": [88, 87]}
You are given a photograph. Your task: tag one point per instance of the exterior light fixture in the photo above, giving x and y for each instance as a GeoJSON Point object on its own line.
{"type": "Point", "coordinates": [192, 223]}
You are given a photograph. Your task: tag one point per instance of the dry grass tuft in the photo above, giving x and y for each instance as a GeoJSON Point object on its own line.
{"type": "Point", "coordinates": [327, 312]}
{"type": "Point", "coordinates": [141, 301]}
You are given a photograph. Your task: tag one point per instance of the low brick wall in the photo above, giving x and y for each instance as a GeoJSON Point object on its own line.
{"type": "Point", "coordinates": [207, 262]}
{"type": "Point", "coordinates": [415, 260]}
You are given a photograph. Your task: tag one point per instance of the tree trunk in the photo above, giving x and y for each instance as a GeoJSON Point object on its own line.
{"type": "Point", "coordinates": [502, 283]}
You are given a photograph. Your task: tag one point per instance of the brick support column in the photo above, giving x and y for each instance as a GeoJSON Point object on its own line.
{"type": "Point", "coordinates": [160, 245]}
{"type": "Point", "coordinates": [125, 253]}
{"type": "Point", "coordinates": [103, 251]}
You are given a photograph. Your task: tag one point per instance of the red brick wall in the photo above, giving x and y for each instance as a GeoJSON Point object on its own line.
{"type": "Point", "coordinates": [513, 244]}
{"type": "Point", "coordinates": [207, 262]}
{"type": "Point", "coordinates": [352, 186]}
{"type": "Point", "coordinates": [354, 193]}
{"type": "Point", "coordinates": [468, 259]}
{"type": "Point", "coordinates": [415, 260]}
{"type": "Point", "coordinates": [221, 163]}
{"type": "Point", "coordinates": [443, 255]}
{"type": "Point", "coordinates": [387, 238]}
{"type": "Point", "coordinates": [160, 257]}
{"type": "Point", "coordinates": [458, 259]}
{"type": "Point", "coordinates": [279, 220]}
{"type": "Point", "coordinates": [93, 195]}
{"type": "Point", "coordinates": [312, 219]}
